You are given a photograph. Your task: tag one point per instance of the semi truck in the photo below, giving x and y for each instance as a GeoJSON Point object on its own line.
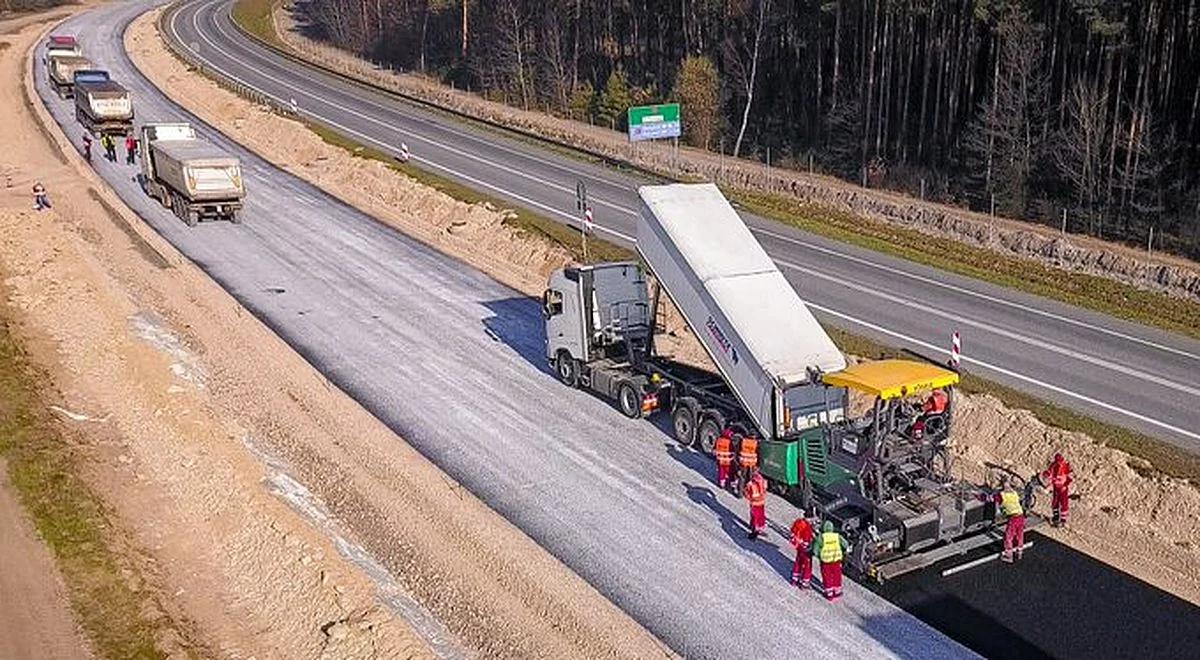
{"type": "Point", "coordinates": [61, 46]}
{"type": "Point", "coordinates": [101, 105]}
{"type": "Point", "coordinates": [60, 69]}
{"type": "Point", "coordinates": [883, 477]}
{"type": "Point", "coordinates": [193, 178]}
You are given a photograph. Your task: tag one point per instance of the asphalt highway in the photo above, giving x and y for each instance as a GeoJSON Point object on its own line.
{"type": "Point", "coordinates": [452, 361]}
{"type": "Point", "coordinates": [1114, 370]}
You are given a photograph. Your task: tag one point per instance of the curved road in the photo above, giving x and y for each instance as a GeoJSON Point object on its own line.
{"type": "Point", "coordinates": [451, 360]}
{"type": "Point", "coordinates": [1114, 370]}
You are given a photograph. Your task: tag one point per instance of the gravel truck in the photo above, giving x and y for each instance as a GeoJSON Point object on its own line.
{"type": "Point", "coordinates": [190, 176]}
{"type": "Point", "coordinates": [61, 71]}
{"type": "Point", "coordinates": [102, 105]}
{"type": "Point", "coordinates": [880, 477]}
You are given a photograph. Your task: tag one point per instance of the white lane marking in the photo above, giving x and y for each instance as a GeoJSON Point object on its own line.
{"type": "Point", "coordinates": [1001, 370]}
{"type": "Point", "coordinates": [1053, 348]}
{"type": "Point", "coordinates": [976, 294]}
{"type": "Point", "coordinates": [1012, 374]}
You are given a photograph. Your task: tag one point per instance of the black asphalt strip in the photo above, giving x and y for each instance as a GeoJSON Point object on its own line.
{"type": "Point", "coordinates": [1055, 602]}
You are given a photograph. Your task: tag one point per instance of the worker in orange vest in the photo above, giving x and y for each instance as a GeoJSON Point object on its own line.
{"type": "Point", "coordinates": [802, 538]}
{"type": "Point", "coordinates": [756, 493]}
{"type": "Point", "coordinates": [747, 459]}
{"type": "Point", "coordinates": [723, 450]}
{"type": "Point", "coordinates": [936, 403]}
{"type": "Point", "coordinates": [1058, 476]}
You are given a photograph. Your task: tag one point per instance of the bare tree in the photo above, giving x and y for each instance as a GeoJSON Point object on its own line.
{"type": "Point", "coordinates": [747, 74]}
{"type": "Point", "coordinates": [1080, 155]}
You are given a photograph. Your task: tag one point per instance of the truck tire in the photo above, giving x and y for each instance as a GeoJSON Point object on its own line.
{"type": "Point", "coordinates": [235, 217]}
{"type": "Point", "coordinates": [628, 400]}
{"type": "Point", "coordinates": [683, 422]}
{"type": "Point", "coordinates": [708, 430]}
{"type": "Point", "coordinates": [567, 369]}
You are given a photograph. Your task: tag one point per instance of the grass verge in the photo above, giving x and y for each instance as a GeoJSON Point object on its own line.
{"type": "Point", "coordinates": [257, 16]}
{"type": "Point", "coordinates": [1087, 291]}
{"type": "Point", "coordinates": [69, 517]}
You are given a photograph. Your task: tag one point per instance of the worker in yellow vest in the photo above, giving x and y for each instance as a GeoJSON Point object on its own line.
{"type": "Point", "coordinates": [1009, 501]}
{"type": "Point", "coordinates": [830, 549]}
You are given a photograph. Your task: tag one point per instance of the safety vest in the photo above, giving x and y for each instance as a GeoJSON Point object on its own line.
{"type": "Point", "coordinates": [724, 451]}
{"type": "Point", "coordinates": [748, 454]}
{"type": "Point", "coordinates": [1010, 503]}
{"type": "Point", "coordinates": [756, 492]}
{"type": "Point", "coordinates": [831, 548]}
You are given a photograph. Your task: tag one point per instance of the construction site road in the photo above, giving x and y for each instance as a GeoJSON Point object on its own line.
{"type": "Point", "coordinates": [1110, 369]}
{"type": "Point", "coordinates": [452, 361]}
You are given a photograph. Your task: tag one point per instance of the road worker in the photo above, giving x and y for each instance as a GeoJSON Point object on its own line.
{"type": "Point", "coordinates": [830, 548]}
{"type": "Point", "coordinates": [87, 146]}
{"type": "Point", "coordinates": [936, 403]}
{"type": "Point", "coordinates": [1058, 477]}
{"type": "Point", "coordinates": [747, 459]}
{"type": "Point", "coordinates": [1009, 499]}
{"type": "Point", "coordinates": [802, 538]}
{"type": "Point", "coordinates": [723, 450]}
{"type": "Point", "coordinates": [130, 148]}
{"type": "Point", "coordinates": [756, 494]}
{"type": "Point", "coordinates": [41, 199]}
{"type": "Point", "coordinates": [110, 147]}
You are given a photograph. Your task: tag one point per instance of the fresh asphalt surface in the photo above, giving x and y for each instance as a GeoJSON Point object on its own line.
{"type": "Point", "coordinates": [452, 361]}
{"type": "Point", "coordinates": [1118, 371]}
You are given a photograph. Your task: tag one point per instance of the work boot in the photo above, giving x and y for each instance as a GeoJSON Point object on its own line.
{"type": "Point", "coordinates": [753, 534]}
{"type": "Point", "coordinates": [1006, 557]}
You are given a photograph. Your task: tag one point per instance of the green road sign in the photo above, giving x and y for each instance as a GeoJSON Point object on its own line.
{"type": "Point", "coordinates": [652, 122]}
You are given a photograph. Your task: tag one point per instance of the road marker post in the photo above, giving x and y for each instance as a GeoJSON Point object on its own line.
{"type": "Point", "coordinates": [955, 350]}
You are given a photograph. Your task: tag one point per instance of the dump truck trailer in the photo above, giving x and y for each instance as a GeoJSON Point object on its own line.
{"type": "Point", "coordinates": [190, 176]}
{"type": "Point", "coordinates": [60, 69]}
{"type": "Point", "coordinates": [882, 485]}
{"type": "Point", "coordinates": [101, 105]}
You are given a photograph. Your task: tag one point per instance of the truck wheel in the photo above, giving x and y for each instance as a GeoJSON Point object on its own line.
{"type": "Point", "coordinates": [710, 427]}
{"type": "Point", "coordinates": [567, 369]}
{"type": "Point", "coordinates": [683, 420]}
{"type": "Point", "coordinates": [235, 218]}
{"type": "Point", "coordinates": [629, 401]}
{"type": "Point", "coordinates": [193, 218]}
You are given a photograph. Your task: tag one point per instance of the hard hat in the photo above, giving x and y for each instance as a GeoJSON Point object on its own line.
{"type": "Point", "coordinates": [1058, 458]}
{"type": "Point", "coordinates": [827, 526]}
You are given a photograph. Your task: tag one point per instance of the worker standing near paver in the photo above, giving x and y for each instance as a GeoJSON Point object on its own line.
{"type": "Point", "coordinates": [1058, 476]}
{"type": "Point", "coordinates": [110, 147]}
{"type": "Point", "coordinates": [1009, 500]}
{"type": "Point", "coordinates": [756, 494]}
{"type": "Point", "coordinates": [747, 459]}
{"type": "Point", "coordinates": [830, 548]}
{"type": "Point", "coordinates": [802, 538]}
{"type": "Point", "coordinates": [723, 450]}
{"type": "Point", "coordinates": [130, 148]}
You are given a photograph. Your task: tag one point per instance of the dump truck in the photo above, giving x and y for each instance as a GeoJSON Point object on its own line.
{"type": "Point", "coordinates": [58, 45]}
{"type": "Point", "coordinates": [101, 105]}
{"type": "Point", "coordinates": [60, 69]}
{"type": "Point", "coordinates": [190, 176]}
{"type": "Point", "coordinates": [882, 477]}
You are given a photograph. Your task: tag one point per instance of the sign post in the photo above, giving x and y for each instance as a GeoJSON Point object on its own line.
{"type": "Point", "coordinates": [581, 204]}
{"type": "Point", "coordinates": [654, 122]}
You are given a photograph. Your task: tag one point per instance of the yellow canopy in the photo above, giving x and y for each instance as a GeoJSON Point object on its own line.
{"type": "Point", "coordinates": [888, 379]}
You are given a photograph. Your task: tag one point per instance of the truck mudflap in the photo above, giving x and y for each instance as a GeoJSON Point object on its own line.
{"type": "Point", "coordinates": [888, 567]}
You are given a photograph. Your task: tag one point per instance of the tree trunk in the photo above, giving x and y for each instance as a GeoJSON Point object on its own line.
{"type": "Point", "coordinates": [762, 19]}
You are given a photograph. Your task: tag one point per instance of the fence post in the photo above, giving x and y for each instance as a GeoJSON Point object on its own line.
{"type": "Point", "coordinates": [1064, 222]}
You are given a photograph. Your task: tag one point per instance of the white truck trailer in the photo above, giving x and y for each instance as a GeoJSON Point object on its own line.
{"type": "Point", "coordinates": [102, 105]}
{"type": "Point", "coordinates": [61, 68]}
{"type": "Point", "coordinates": [765, 343]}
{"type": "Point", "coordinates": [194, 178]}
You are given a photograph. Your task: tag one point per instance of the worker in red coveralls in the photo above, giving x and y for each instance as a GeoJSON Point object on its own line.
{"type": "Point", "coordinates": [723, 450]}
{"type": "Point", "coordinates": [756, 494]}
{"type": "Point", "coordinates": [1014, 530]}
{"type": "Point", "coordinates": [1058, 477]}
{"type": "Point", "coordinates": [802, 538]}
{"type": "Point", "coordinates": [830, 548]}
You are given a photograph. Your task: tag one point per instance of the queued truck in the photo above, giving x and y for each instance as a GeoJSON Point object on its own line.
{"type": "Point", "coordinates": [882, 477]}
{"type": "Point", "coordinates": [60, 69]}
{"type": "Point", "coordinates": [190, 176]}
{"type": "Point", "coordinates": [102, 105]}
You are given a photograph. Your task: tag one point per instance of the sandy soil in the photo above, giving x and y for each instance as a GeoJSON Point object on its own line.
{"type": "Point", "coordinates": [1164, 272]}
{"type": "Point", "coordinates": [1116, 503]}
{"type": "Point", "coordinates": [38, 623]}
{"type": "Point", "coordinates": [199, 418]}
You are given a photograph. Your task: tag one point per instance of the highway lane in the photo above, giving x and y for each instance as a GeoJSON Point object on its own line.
{"type": "Point", "coordinates": [1118, 371]}
{"type": "Point", "coordinates": [452, 361]}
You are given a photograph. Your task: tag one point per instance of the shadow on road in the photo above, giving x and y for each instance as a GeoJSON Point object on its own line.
{"type": "Point", "coordinates": [736, 528]}
{"type": "Point", "coordinates": [518, 323]}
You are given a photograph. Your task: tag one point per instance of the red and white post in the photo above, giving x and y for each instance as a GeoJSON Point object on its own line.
{"type": "Point", "coordinates": [589, 224]}
{"type": "Point", "coordinates": [955, 351]}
